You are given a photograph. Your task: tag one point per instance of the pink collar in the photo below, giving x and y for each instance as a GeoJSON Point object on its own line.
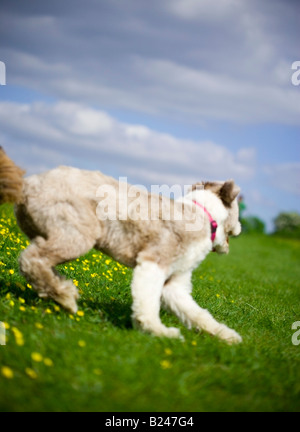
{"type": "Point", "coordinates": [213, 223]}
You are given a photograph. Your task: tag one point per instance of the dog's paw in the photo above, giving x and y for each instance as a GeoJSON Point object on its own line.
{"type": "Point", "coordinates": [172, 332]}
{"type": "Point", "coordinates": [228, 335]}
{"type": "Point", "coordinates": [157, 329]}
{"type": "Point", "coordinates": [66, 296]}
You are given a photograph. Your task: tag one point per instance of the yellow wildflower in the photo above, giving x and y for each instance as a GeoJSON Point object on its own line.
{"type": "Point", "coordinates": [37, 357]}
{"type": "Point", "coordinates": [7, 372]}
{"type": "Point", "coordinates": [39, 326]}
{"type": "Point", "coordinates": [18, 336]}
{"type": "Point", "coordinates": [165, 364]}
{"type": "Point", "coordinates": [48, 362]}
{"type": "Point", "coordinates": [31, 373]}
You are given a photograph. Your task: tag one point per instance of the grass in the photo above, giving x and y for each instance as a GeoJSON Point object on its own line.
{"type": "Point", "coordinates": [96, 361]}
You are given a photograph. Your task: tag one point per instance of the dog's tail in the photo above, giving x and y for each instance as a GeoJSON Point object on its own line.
{"type": "Point", "coordinates": [11, 180]}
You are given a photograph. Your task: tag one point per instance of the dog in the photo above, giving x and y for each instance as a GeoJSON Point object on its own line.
{"type": "Point", "coordinates": [62, 213]}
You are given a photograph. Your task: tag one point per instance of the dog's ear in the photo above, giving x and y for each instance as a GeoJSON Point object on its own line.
{"type": "Point", "coordinates": [197, 186]}
{"type": "Point", "coordinates": [228, 192]}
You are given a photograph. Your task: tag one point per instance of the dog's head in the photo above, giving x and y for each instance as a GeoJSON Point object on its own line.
{"type": "Point", "coordinates": [227, 192]}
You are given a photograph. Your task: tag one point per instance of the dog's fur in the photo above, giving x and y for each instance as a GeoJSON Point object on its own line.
{"type": "Point", "coordinates": [57, 210]}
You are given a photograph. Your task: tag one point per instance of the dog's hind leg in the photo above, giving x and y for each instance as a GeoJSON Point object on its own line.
{"type": "Point", "coordinates": [147, 284]}
{"type": "Point", "coordinates": [176, 295]}
{"type": "Point", "coordinates": [37, 264]}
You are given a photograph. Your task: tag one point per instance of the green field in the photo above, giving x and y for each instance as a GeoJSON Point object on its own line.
{"type": "Point", "coordinates": [96, 361]}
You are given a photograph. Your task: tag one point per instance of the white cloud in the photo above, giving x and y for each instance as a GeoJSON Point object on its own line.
{"type": "Point", "coordinates": [203, 10]}
{"type": "Point", "coordinates": [258, 198]}
{"type": "Point", "coordinates": [186, 60]}
{"type": "Point", "coordinates": [68, 133]}
{"type": "Point", "coordinates": [285, 177]}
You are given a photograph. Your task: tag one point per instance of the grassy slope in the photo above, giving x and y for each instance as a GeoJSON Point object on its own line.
{"type": "Point", "coordinates": [99, 363]}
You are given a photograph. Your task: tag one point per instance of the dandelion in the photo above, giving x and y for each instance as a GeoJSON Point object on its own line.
{"type": "Point", "coordinates": [11, 272]}
{"type": "Point", "coordinates": [31, 373]}
{"type": "Point", "coordinates": [81, 343]}
{"type": "Point", "coordinates": [18, 336]}
{"type": "Point", "coordinates": [80, 313]}
{"type": "Point", "coordinates": [168, 351]}
{"type": "Point", "coordinates": [7, 372]}
{"type": "Point", "coordinates": [37, 357]}
{"type": "Point", "coordinates": [48, 311]}
{"type": "Point", "coordinates": [194, 343]}
{"type": "Point", "coordinates": [165, 364]}
{"type": "Point", "coordinates": [22, 308]}
{"type": "Point", "coordinates": [39, 326]}
{"type": "Point", "coordinates": [48, 362]}
{"type": "Point", "coordinates": [19, 285]}
{"type": "Point", "coordinates": [218, 295]}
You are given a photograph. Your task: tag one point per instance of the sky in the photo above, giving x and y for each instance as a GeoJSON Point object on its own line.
{"type": "Point", "coordinates": [161, 92]}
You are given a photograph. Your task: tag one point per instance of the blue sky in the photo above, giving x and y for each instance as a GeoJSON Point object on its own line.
{"type": "Point", "coordinates": [162, 92]}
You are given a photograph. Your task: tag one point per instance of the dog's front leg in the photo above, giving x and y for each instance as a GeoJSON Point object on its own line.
{"type": "Point", "coordinates": [176, 296]}
{"type": "Point", "coordinates": [147, 284]}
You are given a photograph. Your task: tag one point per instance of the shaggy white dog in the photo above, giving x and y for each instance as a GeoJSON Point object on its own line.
{"type": "Point", "coordinates": [64, 216]}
